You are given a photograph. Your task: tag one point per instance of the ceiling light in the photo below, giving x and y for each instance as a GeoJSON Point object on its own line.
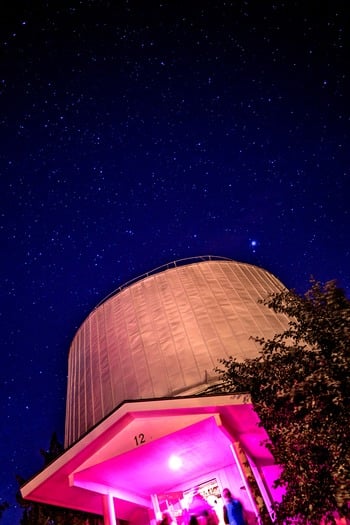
{"type": "Point", "coordinates": [175, 463]}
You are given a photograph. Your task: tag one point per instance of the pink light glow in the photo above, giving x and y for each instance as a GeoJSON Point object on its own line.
{"type": "Point", "coordinates": [109, 460]}
{"type": "Point", "coordinates": [175, 462]}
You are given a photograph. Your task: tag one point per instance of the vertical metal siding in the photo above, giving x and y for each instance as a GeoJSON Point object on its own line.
{"type": "Point", "coordinates": [164, 334]}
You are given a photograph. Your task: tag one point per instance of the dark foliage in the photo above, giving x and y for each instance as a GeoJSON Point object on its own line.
{"type": "Point", "coordinates": [300, 388]}
{"type": "Point", "coordinates": [3, 506]}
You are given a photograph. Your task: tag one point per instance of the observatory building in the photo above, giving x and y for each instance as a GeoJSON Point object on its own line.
{"type": "Point", "coordinates": [145, 427]}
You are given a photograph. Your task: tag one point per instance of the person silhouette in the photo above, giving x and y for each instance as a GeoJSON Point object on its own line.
{"type": "Point", "coordinates": [166, 519]}
{"type": "Point", "coordinates": [233, 509]}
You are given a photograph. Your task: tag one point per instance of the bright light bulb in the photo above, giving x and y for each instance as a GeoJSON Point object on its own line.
{"type": "Point", "coordinates": [175, 463]}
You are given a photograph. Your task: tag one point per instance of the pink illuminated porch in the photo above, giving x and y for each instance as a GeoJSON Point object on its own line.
{"type": "Point", "coordinates": [124, 460]}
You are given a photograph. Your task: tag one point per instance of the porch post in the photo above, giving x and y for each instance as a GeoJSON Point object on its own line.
{"type": "Point", "coordinates": [108, 510]}
{"type": "Point", "coordinates": [156, 508]}
{"type": "Point", "coordinates": [248, 479]}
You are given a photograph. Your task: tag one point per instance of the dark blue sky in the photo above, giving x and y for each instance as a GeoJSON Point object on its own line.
{"type": "Point", "coordinates": [138, 133]}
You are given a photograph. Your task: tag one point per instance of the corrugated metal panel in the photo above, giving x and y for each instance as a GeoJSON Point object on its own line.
{"type": "Point", "coordinates": [164, 334]}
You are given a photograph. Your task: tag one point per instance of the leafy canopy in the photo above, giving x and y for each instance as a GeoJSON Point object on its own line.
{"type": "Point", "coordinates": [300, 388]}
{"type": "Point", "coordinates": [3, 506]}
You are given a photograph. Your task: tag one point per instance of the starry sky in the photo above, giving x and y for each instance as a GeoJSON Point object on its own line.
{"type": "Point", "coordinates": [138, 133]}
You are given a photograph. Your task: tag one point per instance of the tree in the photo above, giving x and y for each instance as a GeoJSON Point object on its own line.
{"type": "Point", "coordinates": [3, 506]}
{"type": "Point", "coordinates": [56, 448]}
{"type": "Point", "coordinates": [40, 514]}
{"type": "Point", "coordinates": [300, 388]}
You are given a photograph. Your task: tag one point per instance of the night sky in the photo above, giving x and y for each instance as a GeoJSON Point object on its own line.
{"type": "Point", "coordinates": [137, 133]}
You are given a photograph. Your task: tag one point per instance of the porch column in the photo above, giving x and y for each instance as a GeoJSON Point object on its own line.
{"type": "Point", "coordinates": [248, 479]}
{"type": "Point", "coordinates": [156, 508]}
{"type": "Point", "coordinates": [108, 510]}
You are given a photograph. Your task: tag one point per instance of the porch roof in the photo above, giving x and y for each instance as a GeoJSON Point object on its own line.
{"type": "Point", "coordinates": [127, 454]}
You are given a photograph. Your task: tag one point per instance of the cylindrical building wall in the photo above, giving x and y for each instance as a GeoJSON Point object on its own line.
{"type": "Point", "coordinates": [163, 336]}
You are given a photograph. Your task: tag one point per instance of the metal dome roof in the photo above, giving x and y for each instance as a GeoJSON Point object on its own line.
{"type": "Point", "coordinates": [162, 335]}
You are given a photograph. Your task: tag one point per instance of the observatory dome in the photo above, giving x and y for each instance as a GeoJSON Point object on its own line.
{"type": "Point", "coordinates": [163, 334]}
